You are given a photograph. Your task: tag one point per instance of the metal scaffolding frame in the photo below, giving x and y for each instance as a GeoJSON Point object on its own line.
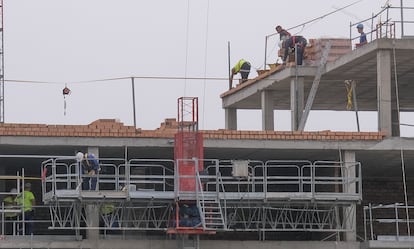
{"type": "Point", "coordinates": [231, 196]}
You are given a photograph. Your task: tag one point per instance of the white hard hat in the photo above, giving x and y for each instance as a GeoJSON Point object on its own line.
{"type": "Point", "coordinates": [13, 190]}
{"type": "Point", "coordinates": [79, 156]}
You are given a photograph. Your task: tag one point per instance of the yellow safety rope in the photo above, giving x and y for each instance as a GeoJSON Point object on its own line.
{"type": "Point", "coordinates": [348, 85]}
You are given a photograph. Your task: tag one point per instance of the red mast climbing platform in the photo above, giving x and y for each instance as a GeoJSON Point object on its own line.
{"type": "Point", "coordinates": [188, 144]}
{"type": "Point", "coordinates": [188, 155]}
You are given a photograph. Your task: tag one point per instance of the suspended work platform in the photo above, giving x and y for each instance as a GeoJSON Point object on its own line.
{"type": "Point", "coordinates": [228, 196]}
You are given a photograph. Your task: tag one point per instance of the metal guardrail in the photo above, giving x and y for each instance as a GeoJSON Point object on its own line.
{"type": "Point", "coordinates": [273, 176]}
{"type": "Point", "coordinates": [389, 222]}
{"type": "Point", "coordinates": [389, 22]}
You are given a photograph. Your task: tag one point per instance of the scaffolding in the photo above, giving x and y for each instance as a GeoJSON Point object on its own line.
{"type": "Point", "coordinates": [264, 197]}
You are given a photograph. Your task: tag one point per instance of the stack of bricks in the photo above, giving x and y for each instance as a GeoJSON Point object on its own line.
{"type": "Point", "coordinates": [315, 48]}
{"type": "Point", "coordinates": [113, 128]}
{"type": "Point", "coordinates": [293, 135]}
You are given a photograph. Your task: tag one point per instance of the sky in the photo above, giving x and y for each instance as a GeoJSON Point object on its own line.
{"type": "Point", "coordinates": [94, 47]}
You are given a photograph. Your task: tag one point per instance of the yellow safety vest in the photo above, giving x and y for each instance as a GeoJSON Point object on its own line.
{"type": "Point", "coordinates": [9, 204]}
{"type": "Point", "coordinates": [238, 66]}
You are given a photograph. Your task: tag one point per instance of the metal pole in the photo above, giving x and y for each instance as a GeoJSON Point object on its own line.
{"type": "Point", "coordinates": [370, 222]}
{"type": "Point", "coordinates": [350, 33]}
{"type": "Point", "coordinates": [402, 19]}
{"type": "Point", "coordinates": [228, 53]}
{"type": "Point", "coordinates": [265, 53]}
{"type": "Point", "coordinates": [355, 103]}
{"type": "Point", "coordinates": [133, 101]}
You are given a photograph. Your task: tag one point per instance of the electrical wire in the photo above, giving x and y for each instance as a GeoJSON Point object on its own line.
{"type": "Point", "coordinates": [118, 78]}
{"type": "Point", "coordinates": [205, 63]}
{"type": "Point", "coordinates": [186, 46]}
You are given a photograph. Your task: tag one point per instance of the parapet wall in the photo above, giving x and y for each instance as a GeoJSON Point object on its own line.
{"type": "Point", "coordinates": [114, 128]}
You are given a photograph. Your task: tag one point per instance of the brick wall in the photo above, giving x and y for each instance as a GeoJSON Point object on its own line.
{"type": "Point", "coordinates": [114, 128]}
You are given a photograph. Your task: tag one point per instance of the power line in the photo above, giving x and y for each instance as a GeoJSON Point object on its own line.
{"type": "Point", "coordinates": [119, 78]}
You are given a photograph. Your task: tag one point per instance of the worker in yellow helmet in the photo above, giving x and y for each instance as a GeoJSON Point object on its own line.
{"type": "Point", "coordinates": [242, 67]}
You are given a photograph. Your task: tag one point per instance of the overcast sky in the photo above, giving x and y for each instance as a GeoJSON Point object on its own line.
{"type": "Point", "coordinates": [78, 42]}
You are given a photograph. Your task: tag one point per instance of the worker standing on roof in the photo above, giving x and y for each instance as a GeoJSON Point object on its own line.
{"type": "Point", "coordinates": [294, 42]}
{"type": "Point", "coordinates": [283, 33]}
{"type": "Point", "coordinates": [242, 67]}
{"type": "Point", "coordinates": [362, 37]}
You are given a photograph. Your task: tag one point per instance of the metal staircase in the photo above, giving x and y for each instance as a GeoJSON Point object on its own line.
{"type": "Point", "coordinates": [211, 213]}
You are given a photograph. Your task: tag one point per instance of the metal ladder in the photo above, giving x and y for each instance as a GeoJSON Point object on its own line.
{"type": "Point", "coordinates": [211, 213]}
{"type": "Point", "coordinates": [315, 86]}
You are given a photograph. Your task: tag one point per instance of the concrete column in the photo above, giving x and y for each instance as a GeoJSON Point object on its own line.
{"type": "Point", "coordinates": [230, 118]}
{"type": "Point", "coordinates": [384, 91]}
{"type": "Point", "coordinates": [92, 210]}
{"type": "Point", "coordinates": [267, 111]}
{"type": "Point", "coordinates": [297, 96]}
{"type": "Point", "coordinates": [350, 212]}
{"type": "Point", "coordinates": [395, 123]}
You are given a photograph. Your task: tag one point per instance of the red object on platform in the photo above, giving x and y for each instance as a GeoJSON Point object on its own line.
{"type": "Point", "coordinates": [188, 145]}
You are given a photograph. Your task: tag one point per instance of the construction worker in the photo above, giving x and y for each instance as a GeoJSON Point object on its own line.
{"type": "Point", "coordinates": [283, 33]}
{"type": "Point", "coordinates": [108, 218]}
{"type": "Point", "coordinates": [27, 201]}
{"type": "Point", "coordinates": [292, 43]}
{"type": "Point", "coordinates": [90, 168]}
{"type": "Point", "coordinates": [242, 67]}
{"type": "Point", "coordinates": [10, 204]}
{"type": "Point", "coordinates": [362, 37]}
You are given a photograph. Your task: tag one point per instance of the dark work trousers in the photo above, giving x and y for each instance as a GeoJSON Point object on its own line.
{"type": "Point", "coordinates": [244, 71]}
{"type": "Point", "coordinates": [9, 226]}
{"type": "Point", "coordinates": [300, 50]}
{"type": "Point", "coordinates": [89, 182]}
{"type": "Point", "coordinates": [28, 222]}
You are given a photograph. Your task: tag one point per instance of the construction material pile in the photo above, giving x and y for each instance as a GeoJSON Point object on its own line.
{"type": "Point", "coordinates": [315, 48]}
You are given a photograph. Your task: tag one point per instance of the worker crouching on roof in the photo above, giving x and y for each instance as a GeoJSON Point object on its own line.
{"type": "Point", "coordinates": [242, 67]}
{"type": "Point", "coordinates": [292, 43]}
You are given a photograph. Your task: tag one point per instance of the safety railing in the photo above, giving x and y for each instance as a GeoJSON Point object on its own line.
{"type": "Point", "coordinates": [391, 222]}
{"type": "Point", "coordinates": [217, 176]}
{"type": "Point", "coordinates": [114, 174]}
{"type": "Point", "coordinates": [387, 23]}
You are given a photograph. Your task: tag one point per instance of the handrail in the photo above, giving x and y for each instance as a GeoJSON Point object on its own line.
{"type": "Point", "coordinates": [377, 22]}
{"type": "Point", "coordinates": [382, 218]}
{"type": "Point", "coordinates": [269, 177]}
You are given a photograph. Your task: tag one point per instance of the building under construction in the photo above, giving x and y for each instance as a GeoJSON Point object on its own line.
{"type": "Point", "coordinates": [181, 187]}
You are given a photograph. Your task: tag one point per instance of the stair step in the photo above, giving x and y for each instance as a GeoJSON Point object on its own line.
{"type": "Point", "coordinates": [214, 219]}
